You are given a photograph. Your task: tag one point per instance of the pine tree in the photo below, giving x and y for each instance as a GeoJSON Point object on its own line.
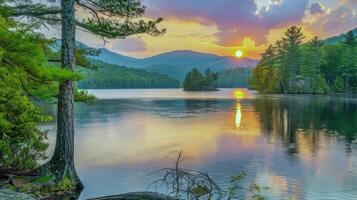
{"type": "Point", "coordinates": [268, 57]}
{"type": "Point", "coordinates": [24, 74]}
{"type": "Point", "coordinates": [350, 39]}
{"type": "Point", "coordinates": [106, 18]}
{"type": "Point", "coordinates": [291, 56]}
{"type": "Point", "coordinates": [195, 81]}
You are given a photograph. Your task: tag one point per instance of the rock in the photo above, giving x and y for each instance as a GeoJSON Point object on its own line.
{"type": "Point", "coordinates": [6, 194]}
{"type": "Point", "coordinates": [137, 196]}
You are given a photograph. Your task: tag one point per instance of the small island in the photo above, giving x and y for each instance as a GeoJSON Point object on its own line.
{"type": "Point", "coordinates": [195, 81]}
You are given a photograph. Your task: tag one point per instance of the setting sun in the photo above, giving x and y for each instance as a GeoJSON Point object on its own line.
{"type": "Point", "coordinates": [239, 53]}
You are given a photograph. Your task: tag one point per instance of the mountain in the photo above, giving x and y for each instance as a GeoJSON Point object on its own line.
{"type": "Point", "coordinates": [117, 59]}
{"type": "Point", "coordinates": [177, 64]}
{"type": "Point", "coordinates": [337, 39]}
{"type": "Point", "coordinates": [108, 76]}
{"type": "Point", "coordinates": [172, 71]}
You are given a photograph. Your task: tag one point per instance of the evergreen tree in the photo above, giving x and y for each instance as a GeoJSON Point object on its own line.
{"type": "Point", "coordinates": [24, 74]}
{"type": "Point", "coordinates": [350, 39]}
{"type": "Point", "coordinates": [331, 60]}
{"type": "Point", "coordinates": [195, 81]}
{"type": "Point", "coordinates": [313, 67]}
{"type": "Point", "coordinates": [268, 57]}
{"type": "Point", "coordinates": [291, 56]}
{"type": "Point", "coordinates": [106, 18]}
{"type": "Point", "coordinates": [349, 66]}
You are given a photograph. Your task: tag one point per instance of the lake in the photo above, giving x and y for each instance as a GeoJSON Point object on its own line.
{"type": "Point", "coordinates": [302, 147]}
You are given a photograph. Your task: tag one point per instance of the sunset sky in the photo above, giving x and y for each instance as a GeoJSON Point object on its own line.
{"type": "Point", "coordinates": [223, 26]}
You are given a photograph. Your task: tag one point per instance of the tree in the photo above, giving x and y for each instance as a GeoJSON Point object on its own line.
{"type": "Point", "coordinates": [291, 56]}
{"type": "Point", "coordinates": [24, 74]}
{"type": "Point", "coordinates": [195, 81]}
{"type": "Point", "coordinates": [312, 67]}
{"type": "Point", "coordinates": [268, 57]}
{"type": "Point", "coordinates": [330, 62]}
{"type": "Point", "coordinates": [192, 80]}
{"type": "Point", "coordinates": [105, 18]}
{"type": "Point", "coordinates": [348, 67]}
{"type": "Point", "coordinates": [350, 39]}
{"type": "Point", "coordinates": [315, 47]}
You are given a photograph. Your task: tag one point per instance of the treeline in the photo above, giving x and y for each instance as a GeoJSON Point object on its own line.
{"type": "Point", "coordinates": [291, 66]}
{"type": "Point", "coordinates": [195, 81]}
{"type": "Point", "coordinates": [108, 76]}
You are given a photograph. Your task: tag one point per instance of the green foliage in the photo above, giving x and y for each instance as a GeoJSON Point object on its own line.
{"type": "Point", "coordinates": [108, 76]}
{"type": "Point", "coordinates": [22, 69]}
{"type": "Point", "coordinates": [350, 39]}
{"type": "Point", "coordinates": [43, 179]}
{"type": "Point", "coordinates": [22, 143]}
{"type": "Point", "coordinates": [25, 76]}
{"type": "Point", "coordinates": [293, 67]}
{"type": "Point", "coordinates": [83, 96]}
{"type": "Point", "coordinates": [266, 79]}
{"type": "Point", "coordinates": [233, 78]}
{"type": "Point", "coordinates": [195, 81]}
{"type": "Point", "coordinates": [235, 188]}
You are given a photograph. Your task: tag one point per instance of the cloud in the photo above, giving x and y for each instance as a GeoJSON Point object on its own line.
{"type": "Point", "coordinates": [349, 3]}
{"type": "Point", "coordinates": [316, 8]}
{"type": "Point", "coordinates": [337, 21]}
{"type": "Point", "coordinates": [129, 45]}
{"type": "Point", "coordinates": [234, 20]}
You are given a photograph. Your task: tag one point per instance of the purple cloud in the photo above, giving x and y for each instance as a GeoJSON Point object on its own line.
{"type": "Point", "coordinates": [234, 19]}
{"type": "Point", "coordinates": [129, 45]}
{"type": "Point", "coordinates": [316, 8]}
{"type": "Point", "coordinates": [336, 22]}
{"type": "Point", "coordinates": [350, 3]}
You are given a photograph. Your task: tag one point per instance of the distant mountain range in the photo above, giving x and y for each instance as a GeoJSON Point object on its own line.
{"type": "Point", "coordinates": [108, 76]}
{"type": "Point", "coordinates": [162, 70]}
{"type": "Point", "coordinates": [337, 39]}
{"type": "Point", "coordinates": [177, 64]}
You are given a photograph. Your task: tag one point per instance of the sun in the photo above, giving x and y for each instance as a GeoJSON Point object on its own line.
{"type": "Point", "coordinates": [239, 53]}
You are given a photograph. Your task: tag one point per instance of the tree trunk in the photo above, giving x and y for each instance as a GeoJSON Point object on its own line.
{"type": "Point", "coordinates": [62, 162]}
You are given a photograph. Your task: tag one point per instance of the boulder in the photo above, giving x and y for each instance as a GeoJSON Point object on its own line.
{"type": "Point", "coordinates": [6, 194]}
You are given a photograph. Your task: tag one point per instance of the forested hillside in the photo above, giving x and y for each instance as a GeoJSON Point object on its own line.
{"type": "Point", "coordinates": [172, 71]}
{"type": "Point", "coordinates": [291, 66]}
{"type": "Point", "coordinates": [337, 39]}
{"type": "Point", "coordinates": [176, 64]}
{"type": "Point", "coordinates": [233, 78]}
{"type": "Point", "coordinates": [108, 76]}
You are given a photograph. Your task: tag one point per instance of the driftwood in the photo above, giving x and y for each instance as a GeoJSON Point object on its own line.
{"type": "Point", "coordinates": [137, 196]}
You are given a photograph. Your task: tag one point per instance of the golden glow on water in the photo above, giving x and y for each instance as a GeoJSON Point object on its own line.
{"type": "Point", "coordinates": [220, 136]}
{"type": "Point", "coordinates": [143, 137]}
{"type": "Point", "coordinates": [238, 114]}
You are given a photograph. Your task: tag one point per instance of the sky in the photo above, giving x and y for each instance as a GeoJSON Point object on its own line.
{"type": "Point", "coordinates": [224, 26]}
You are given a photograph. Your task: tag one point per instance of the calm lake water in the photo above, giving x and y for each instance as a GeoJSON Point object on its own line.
{"type": "Point", "coordinates": [302, 147]}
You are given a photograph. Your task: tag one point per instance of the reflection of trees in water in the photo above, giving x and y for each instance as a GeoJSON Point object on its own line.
{"type": "Point", "coordinates": [196, 106]}
{"type": "Point", "coordinates": [104, 110]}
{"type": "Point", "coordinates": [288, 116]}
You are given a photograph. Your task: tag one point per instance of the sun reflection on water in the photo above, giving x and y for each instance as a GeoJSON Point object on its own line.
{"type": "Point", "coordinates": [118, 139]}
{"type": "Point", "coordinates": [238, 94]}
{"type": "Point", "coordinates": [238, 114]}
